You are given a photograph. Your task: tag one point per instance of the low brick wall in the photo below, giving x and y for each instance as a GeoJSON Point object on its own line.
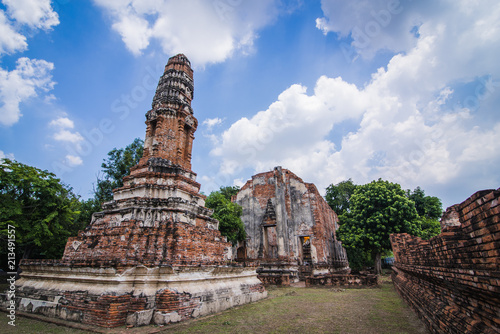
{"type": "Point", "coordinates": [452, 281]}
{"type": "Point", "coordinates": [342, 280]}
{"type": "Point", "coordinates": [281, 280]}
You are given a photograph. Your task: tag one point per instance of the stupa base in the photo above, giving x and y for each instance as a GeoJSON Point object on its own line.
{"type": "Point", "coordinates": [134, 296]}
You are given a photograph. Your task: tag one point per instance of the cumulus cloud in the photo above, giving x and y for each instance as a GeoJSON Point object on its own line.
{"type": "Point", "coordinates": [6, 156]}
{"type": "Point", "coordinates": [71, 139]}
{"type": "Point", "coordinates": [403, 127]}
{"type": "Point", "coordinates": [373, 24]}
{"type": "Point", "coordinates": [10, 40]}
{"type": "Point", "coordinates": [206, 31]}
{"type": "Point", "coordinates": [31, 76]}
{"type": "Point", "coordinates": [396, 25]}
{"type": "Point", "coordinates": [27, 80]}
{"type": "Point", "coordinates": [34, 13]}
{"type": "Point", "coordinates": [63, 122]}
{"type": "Point", "coordinates": [73, 160]}
{"type": "Point", "coordinates": [65, 135]}
{"type": "Point", "coordinates": [211, 122]}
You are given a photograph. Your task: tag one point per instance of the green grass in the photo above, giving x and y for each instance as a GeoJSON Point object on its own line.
{"type": "Point", "coordinates": [26, 325]}
{"type": "Point", "coordinates": [290, 310]}
{"type": "Point", "coordinates": [314, 310]}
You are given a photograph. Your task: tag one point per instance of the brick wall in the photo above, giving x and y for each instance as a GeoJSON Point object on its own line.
{"type": "Point", "coordinates": [129, 244]}
{"type": "Point", "coordinates": [281, 280]}
{"type": "Point", "coordinates": [342, 280]}
{"type": "Point", "coordinates": [452, 281]}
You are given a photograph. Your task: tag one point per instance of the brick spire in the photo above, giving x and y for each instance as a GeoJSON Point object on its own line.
{"type": "Point", "coordinates": [170, 122]}
{"type": "Point", "coordinates": [170, 127]}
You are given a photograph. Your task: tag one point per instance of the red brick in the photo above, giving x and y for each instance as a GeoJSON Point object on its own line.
{"type": "Point", "coordinates": [454, 290]}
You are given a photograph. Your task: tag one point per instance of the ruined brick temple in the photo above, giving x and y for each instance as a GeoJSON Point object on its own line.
{"type": "Point", "coordinates": [290, 229]}
{"type": "Point", "coordinates": [154, 255]}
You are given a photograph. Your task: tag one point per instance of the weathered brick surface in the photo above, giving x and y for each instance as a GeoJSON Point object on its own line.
{"type": "Point", "coordinates": [452, 281]}
{"type": "Point", "coordinates": [342, 280]}
{"type": "Point", "coordinates": [164, 243]}
{"type": "Point", "coordinates": [288, 224]}
{"type": "Point", "coordinates": [104, 311]}
{"type": "Point", "coordinates": [281, 280]}
{"type": "Point", "coordinates": [170, 301]}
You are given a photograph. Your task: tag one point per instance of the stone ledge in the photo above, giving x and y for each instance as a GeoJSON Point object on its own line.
{"type": "Point", "coordinates": [139, 296]}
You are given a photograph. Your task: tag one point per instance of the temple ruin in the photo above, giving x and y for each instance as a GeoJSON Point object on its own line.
{"type": "Point", "coordinates": [154, 254]}
{"type": "Point", "coordinates": [290, 229]}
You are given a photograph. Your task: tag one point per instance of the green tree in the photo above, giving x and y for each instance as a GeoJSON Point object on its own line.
{"type": "Point", "coordinates": [114, 169]}
{"type": "Point", "coordinates": [227, 213]}
{"type": "Point", "coordinates": [429, 209]}
{"type": "Point", "coordinates": [427, 206]}
{"type": "Point", "coordinates": [338, 196]}
{"type": "Point", "coordinates": [228, 192]}
{"type": "Point", "coordinates": [429, 228]}
{"type": "Point", "coordinates": [377, 209]}
{"type": "Point", "coordinates": [43, 211]}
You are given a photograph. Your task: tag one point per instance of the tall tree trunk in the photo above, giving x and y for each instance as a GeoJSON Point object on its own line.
{"type": "Point", "coordinates": [378, 263]}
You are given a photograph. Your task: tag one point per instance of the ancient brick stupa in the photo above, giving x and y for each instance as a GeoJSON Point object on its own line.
{"type": "Point", "coordinates": [154, 255]}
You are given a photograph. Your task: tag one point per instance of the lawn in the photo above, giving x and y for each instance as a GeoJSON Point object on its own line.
{"type": "Point", "coordinates": [288, 310]}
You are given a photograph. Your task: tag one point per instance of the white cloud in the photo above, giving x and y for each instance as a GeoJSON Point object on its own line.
{"type": "Point", "coordinates": [206, 31]}
{"type": "Point", "coordinates": [10, 40]}
{"type": "Point", "coordinates": [395, 25]}
{"type": "Point", "coordinates": [211, 122]}
{"type": "Point", "coordinates": [34, 13]}
{"type": "Point", "coordinates": [70, 138]}
{"type": "Point", "coordinates": [373, 24]}
{"type": "Point", "coordinates": [31, 76]}
{"type": "Point", "coordinates": [27, 80]}
{"type": "Point", "coordinates": [63, 122]}
{"type": "Point", "coordinates": [403, 126]}
{"type": "Point", "coordinates": [6, 156]}
{"type": "Point", "coordinates": [73, 160]}
{"type": "Point", "coordinates": [65, 135]}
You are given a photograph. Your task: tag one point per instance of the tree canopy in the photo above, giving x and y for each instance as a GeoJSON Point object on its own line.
{"type": "Point", "coordinates": [228, 192]}
{"type": "Point", "coordinates": [377, 209]}
{"type": "Point", "coordinates": [427, 206]}
{"type": "Point", "coordinates": [114, 169]}
{"type": "Point", "coordinates": [429, 209]}
{"type": "Point", "coordinates": [227, 213]}
{"type": "Point", "coordinates": [43, 211]}
{"type": "Point", "coordinates": [338, 196]}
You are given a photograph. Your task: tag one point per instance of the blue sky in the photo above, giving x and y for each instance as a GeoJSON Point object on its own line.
{"type": "Point", "coordinates": [407, 91]}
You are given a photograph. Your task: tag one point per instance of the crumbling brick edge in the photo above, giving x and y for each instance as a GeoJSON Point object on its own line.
{"type": "Point", "coordinates": [95, 329]}
{"type": "Point", "coordinates": [342, 280]}
{"type": "Point", "coordinates": [452, 281]}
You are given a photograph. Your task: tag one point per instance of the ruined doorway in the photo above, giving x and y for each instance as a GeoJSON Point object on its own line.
{"type": "Point", "coordinates": [306, 267]}
{"type": "Point", "coordinates": [306, 250]}
{"type": "Point", "coordinates": [241, 252]}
